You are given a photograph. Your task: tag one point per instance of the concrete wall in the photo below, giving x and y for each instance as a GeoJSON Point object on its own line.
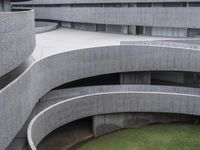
{"type": "Point", "coordinates": [22, 94]}
{"type": "Point", "coordinates": [17, 38]}
{"type": "Point", "coordinates": [157, 17]}
{"type": "Point", "coordinates": [103, 124]}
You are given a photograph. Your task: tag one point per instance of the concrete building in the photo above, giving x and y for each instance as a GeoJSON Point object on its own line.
{"type": "Point", "coordinates": [82, 69]}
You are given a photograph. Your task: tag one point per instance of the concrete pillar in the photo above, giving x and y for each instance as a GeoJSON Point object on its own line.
{"type": "Point", "coordinates": [107, 123]}
{"type": "Point", "coordinates": [135, 78]}
{"type": "Point", "coordinates": [147, 31]}
{"type": "Point", "coordinates": [197, 80]}
{"type": "Point", "coordinates": [103, 124]}
{"type": "Point", "coordinates": [124, 29]}
{"type": "Point", "coordinates": [192, 80]}
{"type": "Point", "coordinates": [132, 30]}
{"type": "Point", "coordinates": [5, 5]}
{"type": "Point", "coordinates": [113, 28]}
{"type": "Point", "coordinates": [124, 5]}
{"type": "Point", "coordinates": [66, 24]}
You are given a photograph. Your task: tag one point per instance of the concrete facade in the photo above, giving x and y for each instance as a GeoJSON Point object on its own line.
{"type": "Point", "coordinates": [158, 17]}
{"type": "Point", "coordinates": [153, 18]}
{"type": "Point", "coordinates": [88, 55]}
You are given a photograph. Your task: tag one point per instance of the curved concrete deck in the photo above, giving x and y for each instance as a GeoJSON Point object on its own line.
{"type": "Point", "coordinates": [50, 72]}
{"type": "Point", "coordinates": [17, 38]}
{"type": "Point", "coordinates": [64, 40]}
{"type": "Point", "coordinates": [105, 103]}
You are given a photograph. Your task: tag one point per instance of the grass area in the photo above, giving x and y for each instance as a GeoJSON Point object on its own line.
{"type": "Point", "coordinates": [151, 137]}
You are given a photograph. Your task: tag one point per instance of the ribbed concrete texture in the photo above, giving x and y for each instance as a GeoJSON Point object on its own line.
{"type": "Point", "coordinates": [157, 17]}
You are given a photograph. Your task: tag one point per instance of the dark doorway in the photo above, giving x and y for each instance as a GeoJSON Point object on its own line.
{"type": "Point", "coordinates": [139, 30]}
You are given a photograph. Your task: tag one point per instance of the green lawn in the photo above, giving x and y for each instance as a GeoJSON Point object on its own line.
{"type": "Point", "coordinates": [151, 137]}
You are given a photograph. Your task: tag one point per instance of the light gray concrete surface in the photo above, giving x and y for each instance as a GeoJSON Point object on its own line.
{"type": "Point", "coordinates": [64, 40]}
{"type": "Point", "coordinates": [23, 93]}
{"type": "Point", "coordinates": [105, 103]}
{"type": "Point", "coordinates": [17, 38]}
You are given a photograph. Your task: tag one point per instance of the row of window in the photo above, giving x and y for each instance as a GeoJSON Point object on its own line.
{"type": "Point", "coordinates": [136, 30]}
{"type": "Point", "coordinates": [164, 4]}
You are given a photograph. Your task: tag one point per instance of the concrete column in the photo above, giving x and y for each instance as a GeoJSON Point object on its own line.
{"type": "Point", "coordinates": [147, 31]}
{"type": "Point", "coordinates": [192, 80]}
{"type": "Point", "coordinates": [124, 5]}
{"type": "Point", "coordinates": [132, 30]}
{"type": "Point", "coordinates": [135, 78]}
{"type": "Point", "coordinates": [197, 80]}
{"type": "Point", "coordinates": [5, 5]}
{"type": "Point", "coordinates": [113, 28]}
{"type": "Point", "coordinates": [66, 24]}
{"type": "Point", "coordinates": [103, 124]}
{"type": "Point", "coordinates": [124, 29]}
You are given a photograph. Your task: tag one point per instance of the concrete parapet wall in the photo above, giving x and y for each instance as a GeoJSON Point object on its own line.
{"type": "Point", "coordinates": [17, 38]}
{"type": "Point", "coordinates": [157, 17]}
